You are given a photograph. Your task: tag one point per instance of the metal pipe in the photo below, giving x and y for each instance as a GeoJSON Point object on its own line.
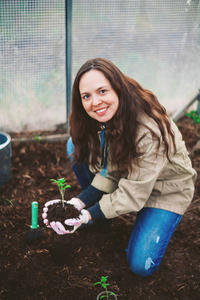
{"type": "Point", "coordinates": [198, 105]}
{"type": "Point", "coordinates": [68, 26]}
{"type": "Point", "coordinates": [47, 138]}
{"type": "Point", "coordinates": [177, 115]}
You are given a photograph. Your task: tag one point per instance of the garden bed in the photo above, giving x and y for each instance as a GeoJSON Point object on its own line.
{"type": "Point", "coordinates": [66, 267]}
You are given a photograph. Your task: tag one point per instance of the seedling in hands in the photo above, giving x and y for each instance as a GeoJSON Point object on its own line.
{"type": "Point", "coordinates": [62, 187]}
{"type": "Point", "coordinates": [104, 285]}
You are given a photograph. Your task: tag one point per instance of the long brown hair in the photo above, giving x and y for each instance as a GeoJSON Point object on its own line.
{"type": "Point", "coordinates": [121, 131]}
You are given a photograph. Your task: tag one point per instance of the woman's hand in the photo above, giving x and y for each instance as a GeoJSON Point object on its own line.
{"type": "Point", "coordinates": [83, 218]}
{"type": "Point", "coordinates": [77, 203]}
{"type": "Point", "coordinates": [45, 210]}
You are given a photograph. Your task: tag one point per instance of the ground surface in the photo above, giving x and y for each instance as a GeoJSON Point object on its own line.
{"type": "Point", "coordinates": [65, 267]}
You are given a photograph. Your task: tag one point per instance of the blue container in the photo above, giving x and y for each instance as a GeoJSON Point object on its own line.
{"type": "Point", "coordinates": [5, 158]}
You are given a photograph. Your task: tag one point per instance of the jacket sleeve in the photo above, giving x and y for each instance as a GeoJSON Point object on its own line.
{"type": "Point", "coordinates": [133, 191]}
{"type": "Point", "coordinates": [90, 196]}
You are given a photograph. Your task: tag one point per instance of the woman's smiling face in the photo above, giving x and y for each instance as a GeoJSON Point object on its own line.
{"type": "Point", "coordinates": [99, 99]}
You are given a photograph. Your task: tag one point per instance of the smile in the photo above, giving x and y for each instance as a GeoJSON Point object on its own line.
{"type": "Point", "coordinates": [101, 110]}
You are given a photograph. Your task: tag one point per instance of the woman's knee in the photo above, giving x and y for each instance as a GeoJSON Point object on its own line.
{"type": "Point", "coordinates": [142, 266]}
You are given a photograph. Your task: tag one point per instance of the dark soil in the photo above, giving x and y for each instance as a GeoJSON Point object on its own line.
{"type": "Point", "coordinates": [66, 267]}
{"type": "Point", "coordinates": [57, 212]}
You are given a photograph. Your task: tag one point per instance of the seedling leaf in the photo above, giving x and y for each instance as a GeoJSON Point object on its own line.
{"type": "Point", "coordinates": [104, 285]}
{"type": "Point", "coordinates": [62, 187]}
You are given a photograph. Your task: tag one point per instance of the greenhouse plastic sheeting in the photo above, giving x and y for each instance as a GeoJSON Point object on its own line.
{"type": "Point", "coordinates": [32, 77]}
{"type": "Point", "coordinates": [155, 42]}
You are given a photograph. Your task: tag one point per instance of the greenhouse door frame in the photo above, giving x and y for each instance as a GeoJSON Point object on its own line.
{"type": "Point", "coordinates": [68, 26]}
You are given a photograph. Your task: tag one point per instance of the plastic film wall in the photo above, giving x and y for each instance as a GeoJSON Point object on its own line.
{"type": "Point", "coordinates": [32, 64]}
{"type": "Point", "coordinates": [155, 42]}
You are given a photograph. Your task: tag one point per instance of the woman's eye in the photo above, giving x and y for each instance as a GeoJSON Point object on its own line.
{"type": "Point", "coordinates": [102, 91]}
{"type": "Point", "coordinates": [85, 97]}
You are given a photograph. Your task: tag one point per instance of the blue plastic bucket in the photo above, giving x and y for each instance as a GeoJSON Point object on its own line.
{"type": "Point", "coordinates": [5, 158]}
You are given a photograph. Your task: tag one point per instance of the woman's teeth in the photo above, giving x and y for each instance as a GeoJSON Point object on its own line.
{"type": "Point", "coordinates": [101, 110]}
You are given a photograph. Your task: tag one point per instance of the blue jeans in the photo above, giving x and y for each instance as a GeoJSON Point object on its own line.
{"type": "Point", "coordinates": [82, 173]}
{"type": "Point", "coordinates": [152, 230]}
{"type": "Point", "coordinates": [149, 239]}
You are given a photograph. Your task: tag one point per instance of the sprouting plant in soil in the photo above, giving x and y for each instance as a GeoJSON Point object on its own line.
{"type": "Point", "coordinates": [62, 187]}
{"type": "Point", "coordinates": [38, 138]}
{"type": "Point", "coordinates": [7, 202]}
{"type": "Point", "coordinates": [194, 116]}
{"type": "Point", "coordinates": [61, 210]}
{"type": "Point", "coordinates": [104, 285]}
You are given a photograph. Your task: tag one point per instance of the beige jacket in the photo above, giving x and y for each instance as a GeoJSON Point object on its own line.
{"type": "Point", "coordinates": [155, 183]}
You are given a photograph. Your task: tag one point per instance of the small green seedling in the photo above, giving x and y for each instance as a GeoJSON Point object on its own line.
{"type": "Point", "coordinates": [62, 187]}
{"type": "Point", "coordinates": [104, 285]}
{"type": "Point", "coordinates": [38, 138]}
{"type": "Point", "coordinates": [194, 116]}
{"type": "Point", "coordinates": [7, 202]}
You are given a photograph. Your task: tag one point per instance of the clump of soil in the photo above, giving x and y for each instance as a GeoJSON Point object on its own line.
{"type": "Point", "coordinates": [66, 267]}
{"type": "Point", "coordinates": [56, 212]}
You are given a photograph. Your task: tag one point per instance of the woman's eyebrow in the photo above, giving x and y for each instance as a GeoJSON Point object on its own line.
{"type": "Point", "coordinates": [84, 93]}
{"type": "Point", "coordinates": [101, 87]}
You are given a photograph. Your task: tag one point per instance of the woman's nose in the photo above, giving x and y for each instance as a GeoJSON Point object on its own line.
{"type": "Point", "coordinates": [96, 100]}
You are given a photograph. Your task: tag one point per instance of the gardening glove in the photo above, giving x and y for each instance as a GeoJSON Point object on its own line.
{"type": "Point", "coordinates": [77, 203]}
{"type": "Point", "coordinates": [45, 210]}
{"type": "Point", "coordinates": [83, 218]}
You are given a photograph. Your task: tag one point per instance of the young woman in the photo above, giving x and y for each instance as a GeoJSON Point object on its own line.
{"type": "Point", "coordinates": [128, 157]}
